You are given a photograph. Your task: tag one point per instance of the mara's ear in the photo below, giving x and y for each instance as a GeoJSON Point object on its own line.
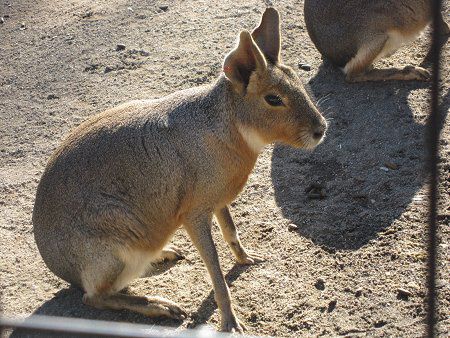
{"type": "Point", "coordinates": [267, 35]}
{"type": "Point", "coordinates": [242, 61]}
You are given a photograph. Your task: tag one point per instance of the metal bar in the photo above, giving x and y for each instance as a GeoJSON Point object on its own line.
{"type": "Point", "coordinates": [432, 148]}
{"type": "Point", "coordinates": [100, 328]}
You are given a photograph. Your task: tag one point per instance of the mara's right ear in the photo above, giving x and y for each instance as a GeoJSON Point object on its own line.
{"type": "Point", "coordinates": [242, 61]}
{"type": "Point", "coordinates": [267, 35]}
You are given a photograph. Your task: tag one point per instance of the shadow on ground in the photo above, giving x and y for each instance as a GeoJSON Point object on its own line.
{"type": "Point", "coordinates": [370, 166]}
{"type": "Point", "coordinates": [68, 303]}
{"type": "Point", "coordinates": [208, 306]}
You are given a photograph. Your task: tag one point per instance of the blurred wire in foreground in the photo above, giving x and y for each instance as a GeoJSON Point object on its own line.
{"type": "Point", "coordinates": [76, 327]}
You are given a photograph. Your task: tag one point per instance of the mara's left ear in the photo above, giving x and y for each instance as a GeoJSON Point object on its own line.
{"type": "Point", "coordinates": [267, 35]}
{"type": "Point", "coordinates": [242, 61]}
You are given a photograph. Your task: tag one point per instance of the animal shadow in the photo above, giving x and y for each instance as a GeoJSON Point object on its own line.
{"type": "Point", "coordinates": [368, 169]}
{"type": "Point", "coordinates": [68, 303]}
{"type": "Point", "coordinates": [208, 306]}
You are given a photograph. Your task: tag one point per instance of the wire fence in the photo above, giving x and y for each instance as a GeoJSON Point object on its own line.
{"type": "Point", "coordinates": [96, 328]}
{"type": "Point", "coordinates": [76, 327]}
{"type": "Point", "coordinates": [432, 148]}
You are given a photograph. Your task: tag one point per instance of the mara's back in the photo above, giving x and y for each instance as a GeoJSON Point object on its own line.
{"type": "Point", "coordinates": [338, 28]}
{"type": "Point", "coordinates": [102, 185]}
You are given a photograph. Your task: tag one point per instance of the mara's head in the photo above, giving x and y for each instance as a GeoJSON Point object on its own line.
{"type": "Point", "coordinates": [276, 104]}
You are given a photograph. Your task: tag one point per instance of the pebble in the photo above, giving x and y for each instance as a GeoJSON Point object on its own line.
{"type": "Point", "coordinates": [358, 292]}
{"type": "Point", "coordinates": [379, 323]}
{"type": "Point", "coordinates": [2, 20]}
{"type": "Point", "coordinates": [332, 305]}
{"type": "Point", "coordinates": [304, 66]}
{"type": "Point", "coordinates": [87, 15]}
{"type": "Point", "coordinates": [292, 227]}
{"type": "Point", "coordinates": [164, 8]}
{"type": "Point", "coordinates": [391, 165]}
{"type": "Point", "coordinates": [22, 26]}
{"type": "Point", "coordinates": [108, 69]}
{"type": "Point", "coordinates": [320, 284]}
{"type": "Point", "coordinates": [384, 169]}
{"type": "Point", "coordinates": [315, 191]}
{"type": "Point", "coordinates": [120, 47]}
{"type": "Point", "coordinates": [403, 294]}
{"type": "Point", "coordinates": [52, 97]}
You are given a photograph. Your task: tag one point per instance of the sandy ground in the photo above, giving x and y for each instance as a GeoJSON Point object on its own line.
{"type": "Point", "coordinates": [334, 266]}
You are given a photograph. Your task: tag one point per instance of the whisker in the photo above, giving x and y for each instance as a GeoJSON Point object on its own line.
{"type": "Point", "coordinates": [323, 98]}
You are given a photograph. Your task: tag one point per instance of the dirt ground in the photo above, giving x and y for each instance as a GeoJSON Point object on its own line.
{"type": "Point", "coordinates": [334, 265]}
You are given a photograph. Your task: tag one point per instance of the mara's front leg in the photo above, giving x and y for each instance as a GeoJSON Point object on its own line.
{"type": "Point", "coordinates": [199, 230]}
{"type": "Point", "coordinates": [231, 236]}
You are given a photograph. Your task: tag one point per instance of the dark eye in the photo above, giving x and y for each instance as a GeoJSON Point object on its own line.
{"type": "Point", "coordinates": [274, 100]}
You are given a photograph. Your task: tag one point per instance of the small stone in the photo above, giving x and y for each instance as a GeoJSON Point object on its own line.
{"type": "Point", "coordinates": [403, 294]}
{"type": "Point", "coordinates": [332, 305]}
{"type": "Point", "coordinates": [22, 26]}
{"type": "Point", "coordinates": [91, 68]}
{"type": "Point", "coordinates": [2, 20]}
{"type": "Point", "coordinates": [292, 227]}
{"type": "Point", "coordinates": [320, 284]}
{"type": "Point", "coordinates": [384, 169]}
{"type": "Point", "coordinates": [253, 317]}
{"type": "Point", "coordinates": [120, 47]}
{"type": "Point", "coordinates": [164, 8]}
{"type": "Point", "coordinates": [87, 15]}
{"type": "Point", "coordinates": [379, 323]}
{"type": "Point", "coordinates": [52, 97]}
{"type": "Point", "coordinates": [304, 66]}
{"type": "Point", "coordinates": [391, 165]}
{"type": "Point", "coordinates": [108, 69]}
{"type": "Point", "coordinates": [315, 191]}
{"type": "Point", "coordinates": [358, 292]}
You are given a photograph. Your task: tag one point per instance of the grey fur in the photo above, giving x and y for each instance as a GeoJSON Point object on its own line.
{"type": "Point", "coordinates": [340, 29]}
{"type": "Point", "coordinates": [123, 182]}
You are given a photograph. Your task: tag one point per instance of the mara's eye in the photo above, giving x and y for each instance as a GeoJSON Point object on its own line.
{"type": "Point", "coordinates": [274, 100]}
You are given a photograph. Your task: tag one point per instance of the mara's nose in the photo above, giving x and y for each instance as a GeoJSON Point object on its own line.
{"type": "Point", "coordinates": [319, 130]}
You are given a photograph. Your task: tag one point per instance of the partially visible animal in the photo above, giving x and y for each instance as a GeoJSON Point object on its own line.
{"type": "Point", "coordinates": [353, 34]}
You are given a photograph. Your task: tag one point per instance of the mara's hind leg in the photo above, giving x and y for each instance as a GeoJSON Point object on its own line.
{"type": "Point", "coordinates": [105, 277]}
{"type": "Point", "coordinates": [148, 306]}
{"type": "Point", "coordinates": [359, 68]}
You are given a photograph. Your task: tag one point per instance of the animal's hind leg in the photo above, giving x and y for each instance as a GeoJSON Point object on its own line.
{"type": "Point", "coordinates": [148, 306]}
{"type": "Point", "coordinates": [107, 275]}
{"type": "Point", "coordinates": [358, 69]}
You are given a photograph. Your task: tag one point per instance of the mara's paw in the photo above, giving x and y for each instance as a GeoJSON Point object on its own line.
{"type": "Point", "coordinates": [176, 312]}
{"type": "Point", "coordinates": [250, 258]}
{"type": "Point", "coordinates": [416, 73]}
{"type": "Point", "coordinates": [232, 325]}
{"type": "Point", "coordinates": [168, 308]}
{"type": "Point", "coordinates": [171, 254]}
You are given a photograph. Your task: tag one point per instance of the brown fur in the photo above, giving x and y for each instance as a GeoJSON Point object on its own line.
{"type": "Point", "coordinates": [123, 182]}
{"type": "Point", "coordinates": [354, 34]}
